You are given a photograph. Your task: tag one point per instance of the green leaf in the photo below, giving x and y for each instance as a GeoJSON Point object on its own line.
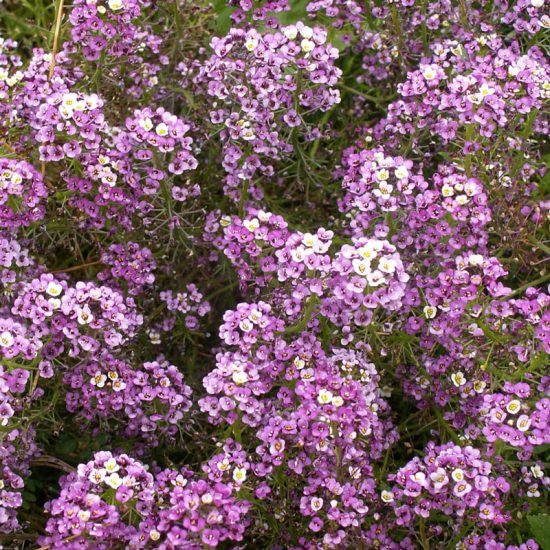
{"type": "Point", "coordinates": [540, 527]}
{"type": "Point", "coordinates": [223, 20]}
{"type": "Point", "coordinates": [66, 444]}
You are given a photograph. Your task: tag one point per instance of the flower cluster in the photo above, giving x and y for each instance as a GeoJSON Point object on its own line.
{"type": "Point", "coordinates": [114, 500]}
{"type": "Point", "coordinates": [22, 200]}
{"type": "Point", "coordinates": [189, 303]}
{"type": "Point", "coordinates": [284, 72]}
{"type": "Point", "coordinates": [274, 274]}
{"type": "Point", "coordinates": [130, 263]}
{"type": "Point", "coordinates": [451, 479]}
{"type": "Point", "coordinates": [94, 499]}
{"type": "Point", "coordinates": [150, 400]}
{"type": "Point", "coordinates": [82, 318]}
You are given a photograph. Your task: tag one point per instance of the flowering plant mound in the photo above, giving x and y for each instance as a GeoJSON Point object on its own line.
{"type": "Point", "coordinates": [274, 274]}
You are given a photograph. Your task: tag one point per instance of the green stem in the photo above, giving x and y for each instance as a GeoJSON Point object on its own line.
{"type": "Point", "coordinates": [399, 32]}
{"type": "Point", "coordinates": [538, 244]}
{"type": "Point", "coordinates": [521, 289]}
{"type": "Point", "coordinates": [243, 197]}
{"type": "Point", "coordinates": [363, 94]}
{"type": "Point", "coordinates": [423, 536]}
{"type": "Point", "coordinates": [446, 426]}
{"type": "Point", "coordinates": [303, 322]}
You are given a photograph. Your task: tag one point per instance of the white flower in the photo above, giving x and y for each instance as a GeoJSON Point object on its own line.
{"type": "Point", "coordinates": [537, 471]}
{"type": "Point", "coordinates": [386, 496]}
{"type": "Point", "coordinates": [54, 289]}
{"type": "Point", "coordinates": [337, 401]}
{"type": "Point", "coordinates": [429, 72]}
{"type": "Point", "coordinates": [16, 178]}
{"type": "Point", "coordinates": [458, 49]}
{"type": "Point", "coordinates": [111, 466]}
{"type": "Point", "coordinates": [486, 90]}
{"type": "Point", "coordinates": [361, 267]}
{"type": "Point", "coordinates": [248, 134]}
{"type": "Point", "coordinates": [161, 129]}
{"type": "Point", "coordinates": [298, 254]}
{"type": "Point", "coordinates": [114, 481]}
{"type": "Point", "coordinates": [387, 265]}
{"type": "Point", "coordinates": [252, 224]}
{"type": "Point", "coordinates": [316, 504]}
{"type": "Point", "coordinates": [245, 325]}
{"type": "Point", "coordinates": [69, 100]}
{"type": "Point", "coordinates": [180, 481]}
{"type": "Point", "coordinates": [470, 189]}
{"type": "Point", "coordinates": [255, 315]}
{"type": "Point", "coordinates": [458, 475]}
{"type": "Point", "coordinates": [239, 475]}
{"type": "Point", "coordinates": [447, 191]}
{"type": "Point", "coordinates": [420, 478]}
{"type": "Point", "coordinates": [401, 172]}
{"type": "Point", "coordinates": [307, 45]}
{"type": "Point", "coordinates": [324, 397]}
{"type": "Point", "coordinates": [264, 216]}
{"type": "Point", "coordinates": [251, 44]}
{"type": "Point", "coordinates": [475, 260]}
{"type": "Point", "coordinates": [367, 252]}
{"type": "Point", "coordinates": [97, 476]}
{"type": "Point", "coordinates": [375, 278]}
{"type": "Point", "coordinates": [6, 339]}
{"type": "Point", "coordinates": [382, 175]}
{"type": "Point", "coordinates": [514, 406]}
{"type": "Point", "coordinates": [146, 124]}
{"type": "Point", "coordinates": [479, 386]}
{"type": "Point", "coordinates": [537, 3]}
{"type": "Point", "coordinates": [290, 32]}
{"type": "Point", "coordinates": [95, 293]}
{"type": "Point", "coordinates": [306, 32]}
{"type": "Point", "coordinates": [309, 240]}
{"type": "Point", "coordinates": [430, 312]}
{"type": "Point", "coordinates": [384, 190]}
{"type": "Point", "coordinates": [84, 515]}
{"type": "Point", "coordinates": [458, 379]}
{"type": "Point", "coordinates": [119, 385]}
{"type": "Point", "coordinates": [240, 377]}
{"type": "Point", "coordinates": [84, 315]}
{"type": "Point", "coordinates": [154, 535]}
{"type": "Point", "coordinates": [98, 380]}
{"type": "Point", "coordinates": [223, 465]}
{"type": "Point", "coordinates": [116, 5]}
{"type": "Point", "coordinates": [523, 423]}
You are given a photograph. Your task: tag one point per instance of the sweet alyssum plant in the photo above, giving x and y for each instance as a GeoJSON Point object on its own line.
{"type": "Point", "coordinates": [274, 274]}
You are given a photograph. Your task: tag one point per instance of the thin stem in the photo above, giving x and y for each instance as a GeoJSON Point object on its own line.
{"type": "Point", "coordinates": [362, 94]}
{"type": "Point", "coordinates": [55, 45]}
{"type": "Point", "coordinates": [534, 241]}
{"type": "Point", "coordinates": [76, 267]}
{"type": "Point", "coordinates": [53, 462]}
{"type": "Point", "coordinates": [58, 18]}
{"type": "Point", "coordinates": [47, 547]}
{"type": "Point", "coordinates": [423, 537]}
{"type": "Point", "coordinates": [524, 287]}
